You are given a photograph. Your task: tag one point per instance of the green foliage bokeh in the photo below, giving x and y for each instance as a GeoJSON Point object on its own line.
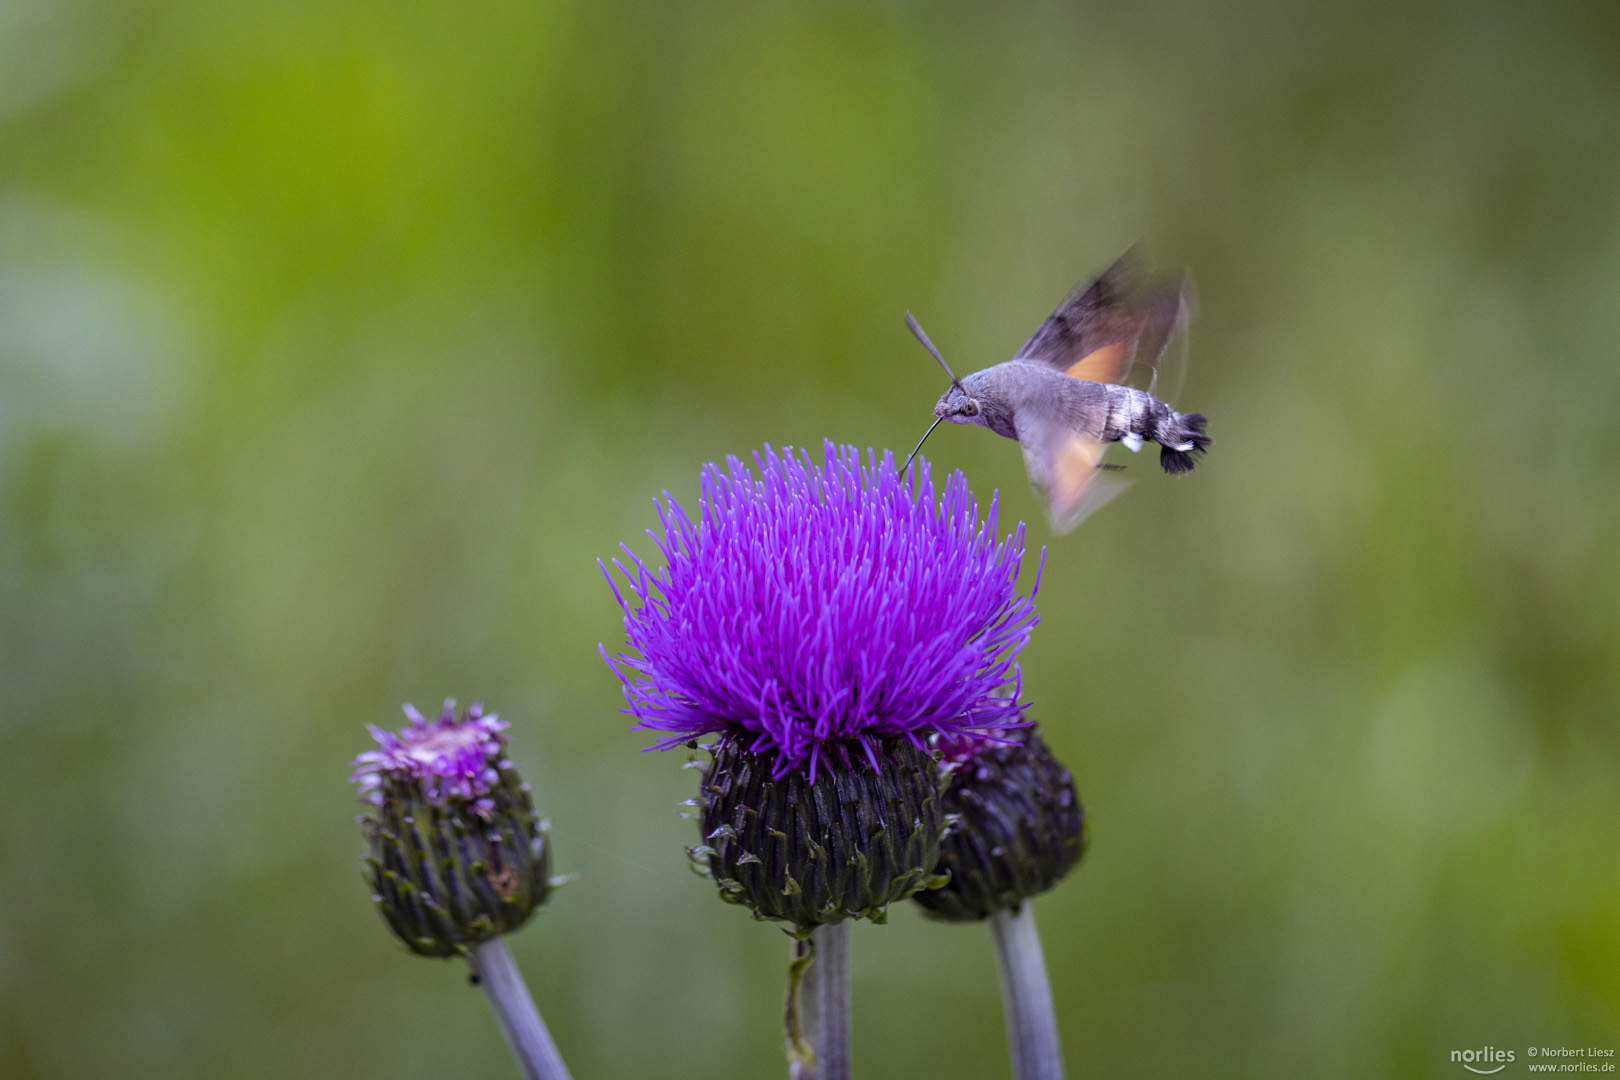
{"type": "Point", "coordinates": [338, 340]}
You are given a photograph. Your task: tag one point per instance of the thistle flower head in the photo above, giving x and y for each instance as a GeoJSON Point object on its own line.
{"type": "Point", "coordinates": [456, 854]}
{"type": "Point", "coordinates": [452, 758]}
{"type": "Point", "coordinates": [811, 609]}
{"type": "Point", "coordinates": [1017, 825]}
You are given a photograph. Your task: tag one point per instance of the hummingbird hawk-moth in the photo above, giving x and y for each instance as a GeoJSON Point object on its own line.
{"type": "Point", "coordinates": [1063, 395]}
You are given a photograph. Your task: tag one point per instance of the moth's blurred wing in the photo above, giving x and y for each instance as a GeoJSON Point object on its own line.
{"type": "Point", "coordinates": [1105, 365]}
{"type": "Point", "coordinates": [1160, 364]}
{"type": "Point", "coordinates": [1086, 323]}
{"type": "Point", "coordinates": [1066, 468]}
{"type": "Point", "coordinates": [1106, 326]}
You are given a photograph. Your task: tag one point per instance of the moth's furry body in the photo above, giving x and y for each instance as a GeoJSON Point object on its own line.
{"type": "Point", "coordinates": [1101, 412]}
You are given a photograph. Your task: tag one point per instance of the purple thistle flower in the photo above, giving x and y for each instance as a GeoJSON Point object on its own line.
{"type": "Point", "coordinates": [810, 608]}
{"type": "Point", "coordinates": [452, 758]}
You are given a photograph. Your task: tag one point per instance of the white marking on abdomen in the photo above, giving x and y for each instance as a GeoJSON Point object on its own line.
{"type": "Point", "coordinates": [1128, 413]}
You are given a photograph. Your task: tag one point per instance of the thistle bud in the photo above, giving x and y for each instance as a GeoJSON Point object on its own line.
{"type": "Point", "coordinates": [458, 855]}
{"type": "Point", "coordinates": [813, 852]}
{"type": "Point", "coordinates": [1017, 826]}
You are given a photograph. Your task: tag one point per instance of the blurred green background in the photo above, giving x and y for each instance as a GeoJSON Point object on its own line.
{"type": "Point", "coordinates": [337, 340]}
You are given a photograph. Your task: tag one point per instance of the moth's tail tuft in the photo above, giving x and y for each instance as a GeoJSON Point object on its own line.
{"type": "Point", "coordinates": [1175, 462]}
{"type": "Point", "coordinates": [1184, 438]}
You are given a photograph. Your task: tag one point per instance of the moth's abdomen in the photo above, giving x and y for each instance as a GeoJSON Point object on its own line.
{"type": "Point", "coordinates": [1132, 413]}
{"type": "Point", "coordinates": [1135, 416]}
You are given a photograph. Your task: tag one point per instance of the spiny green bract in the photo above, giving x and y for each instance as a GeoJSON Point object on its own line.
{"type": "Point", "coordinates": [449, 874]}
{"type": "Point", "coordinates": [845, 846]}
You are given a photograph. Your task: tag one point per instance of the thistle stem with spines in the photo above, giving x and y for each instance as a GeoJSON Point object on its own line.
{"type": "Point", "coordinates": [514, 1009]}
{"type": "Point", "coordinates": [1026, 995]}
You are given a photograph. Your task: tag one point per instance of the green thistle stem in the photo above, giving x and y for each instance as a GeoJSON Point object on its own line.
{"type": "Point", "coordinates": [818, 1005]}
{"type": "Point", "coordinates": [830, 987]}
{"type": "Point", "coordinates": [515, 1012]}
{"type": "Point", "coordinates": [1026, 996]}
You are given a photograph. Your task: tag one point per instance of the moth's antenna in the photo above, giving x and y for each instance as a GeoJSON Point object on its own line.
{"type": "Point", "coordinates": [929, 345]}
{"type": "Point", "coordinates": [924, 439]}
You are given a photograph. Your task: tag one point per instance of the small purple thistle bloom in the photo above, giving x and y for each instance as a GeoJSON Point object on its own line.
{"type": "Point", "coordinates": [453, 758]}
{"type": "Point", "coordinates": [812, 608]}
{"type": "Point", "coordinates": [457, 855]}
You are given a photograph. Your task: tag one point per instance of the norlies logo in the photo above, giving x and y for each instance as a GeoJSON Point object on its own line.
{"type": "Point", "coordinates": [1482, 1060]}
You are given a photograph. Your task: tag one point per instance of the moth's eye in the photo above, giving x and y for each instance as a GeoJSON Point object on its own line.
{"type": "Point", "coordinates": [971, 408]}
